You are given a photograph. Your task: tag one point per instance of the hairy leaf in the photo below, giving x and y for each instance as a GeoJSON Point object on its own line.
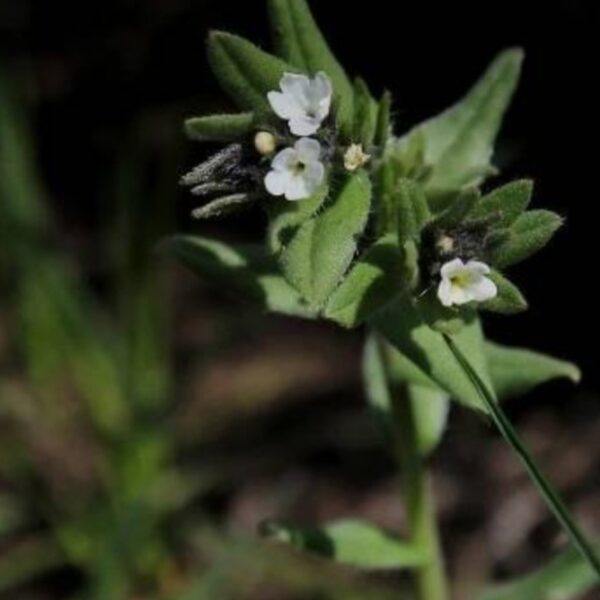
{"type": "Point", "coordinates": [244, 71]}
{"type": "Point", "coordinates": [528, 235]}
{"type": "Point", "coordinates": [509, 300]}
{"type": "Point", "coordinates": [286, 217]}
{"type": "Point", "coordinates": [384, 121]}
{"type": "Point", "coordinates": [374, 280]}
{"type": "Point", "coordinates": [441, 318]}
{"type": "Point", "coordinates": [516, 371]}
{"type": "Point", "coordinates": [321, 251]}
{"type": "Point", "coordinates": [459, 142]}
{"type": "Point", "coordinates": [365, 115]}
{"type": "Point", "coordinates": [219, 128]}
{"type": "Point", "coordinates": [244, 268]}
{"type": "Point", "coordinates": [412, 210]}
{"type": "Point", "coordinates": [459, 208]}
{"type": "Point", "coordinates": [505, 204]}
{"type": "Point", "coordinates": [402, 325]}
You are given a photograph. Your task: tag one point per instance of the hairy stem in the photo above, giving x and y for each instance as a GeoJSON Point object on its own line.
{"type": "Point", "coordinates": [509, 433]}
{"type": "Point", "coordinates": [431, 581]}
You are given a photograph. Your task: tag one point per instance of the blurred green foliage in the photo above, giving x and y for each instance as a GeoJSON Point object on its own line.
{"type": "Point", "coordinates": [92, 497]}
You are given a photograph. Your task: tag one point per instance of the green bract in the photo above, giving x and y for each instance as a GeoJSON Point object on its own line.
{"type": "Point", "coordinates": [368, 246]}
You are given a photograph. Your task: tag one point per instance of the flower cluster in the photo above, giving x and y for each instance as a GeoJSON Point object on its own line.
{"type": "Point", "coordinates": [298, 171]}
{"type": "Point", "coordinates": [417, 216]}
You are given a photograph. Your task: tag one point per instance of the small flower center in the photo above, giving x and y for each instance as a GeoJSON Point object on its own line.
{"type": "Point", "coordinates": [299, 168]}
{"type": "Point", "coordinates": [461, 280]}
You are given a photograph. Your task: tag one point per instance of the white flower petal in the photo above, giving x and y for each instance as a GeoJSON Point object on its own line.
{"type": "Point", "coordinates": [320, 96]}
{"type": "Point", "coordinates": [484, 289]}
{"type": "Point", "coordinates": [297, 188]}
{"type": "Point", "coordinates": [314, 176]}
{"type": "Point", "coordinates": [478, 267]}
{"type": "Point", "coordinates": [285, 160]}
{"type": "Point", "coordinates": [308, 150]}
{"type": "Point", "coordinates": [296, 86]}
{"type": "Point", "coordinates": [450, 269]}
{"type": "Point", "coordinates": [277, 182]}
{"type": "Point", "coordinates": [460, 295]}
{"type": "Point", "coordinates": [285, 106]}
{"type": "Point", "coordinates": [303, 125]}
{"type": "Point", "coordinates": [445, 292]}
{"type": "Point", "coordinates": [322, 86]}
{"type": "Point", "coordinates": [304, 102]}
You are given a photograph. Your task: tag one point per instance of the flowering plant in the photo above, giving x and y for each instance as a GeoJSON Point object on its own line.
{"type": "Point", "coordinates": [401, 234]}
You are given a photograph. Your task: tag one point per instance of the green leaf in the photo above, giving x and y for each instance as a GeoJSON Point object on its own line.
{"type": "Point", "coordinates": [245, 268]}
{"type": "Point", "coordinates": [301, 43]}
{"type": "Point", "coordinates": [427, 352]}
{"type": "Point", "coordinates": [365, 115]}
{"type": "Point", "coordinates": [528, 235]}
{"type": "Point", "coordinates": [505, 204]}
{"type": "Point", "coordinates": [441, 318]}
{"type": "Point", "coordinates": [384, 202]}
{"type": "Point", "coordinates": [412, 210]}
{"type": "Point", "coordinates": [431, 408]}
{"type": "Point", "coordinates": [287, 42]}
{"type": "Point", "coordinates": [386, 371]}
{"type": "Point", "coordinates": [286, 217]}
{"type": "Point", "coordinates": [384, 121]}
{"type": "Point", "coordinates": [459, 208]}
{"type": "Point", "coordinates": [141, 217]}
{"type": "Point", "coordinates": [63, 335]}
{"type": "Point", "coordinates": [509, 300]}
{"type": "Point", "coordinates": [355, 543]}
{"type": "Point", "coordinates": [321, 251]}
{"type": "Point", "coordinates": [516, 371]}
{"type": "Point", "coordinates": [459, 142]}
{"type": "Point", "coordinates": [375, 279]}
{"type": "Point", "coordinates": [245, 72]}
{"type": "Point", "coordinates": [220, 128]}
{"type": "Point", "coordinates": [565, 578]}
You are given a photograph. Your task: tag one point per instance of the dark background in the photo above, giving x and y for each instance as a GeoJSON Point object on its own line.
{"type": "Point", "coordinates": [96, 71]}
{"type": "Point", "coordinates": [98, 65]}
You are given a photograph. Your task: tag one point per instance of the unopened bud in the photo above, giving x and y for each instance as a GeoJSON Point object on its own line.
{"type": "Point", "coordinates": [445, 244]}
{"type": "Point", "coordinates": [265, 143]}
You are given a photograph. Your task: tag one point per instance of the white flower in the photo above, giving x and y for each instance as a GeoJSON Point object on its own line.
{"type": "Point", "coordinates": [305, 103]}
{"type": "Point", "coordinates": [296, 172]}
{"type": "Point", "coordinates": [355, 158]}
{"type": "Point", "coordinates": [462, 283]}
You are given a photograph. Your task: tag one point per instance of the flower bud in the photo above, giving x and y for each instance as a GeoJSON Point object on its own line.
{"type": "Point", "coordinates": [265, 143]}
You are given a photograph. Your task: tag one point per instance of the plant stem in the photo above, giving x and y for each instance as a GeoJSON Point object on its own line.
{"type": "Point", "coordinates": [430, 581]}
{"type": "Point", "coordinates": [552, 498]}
